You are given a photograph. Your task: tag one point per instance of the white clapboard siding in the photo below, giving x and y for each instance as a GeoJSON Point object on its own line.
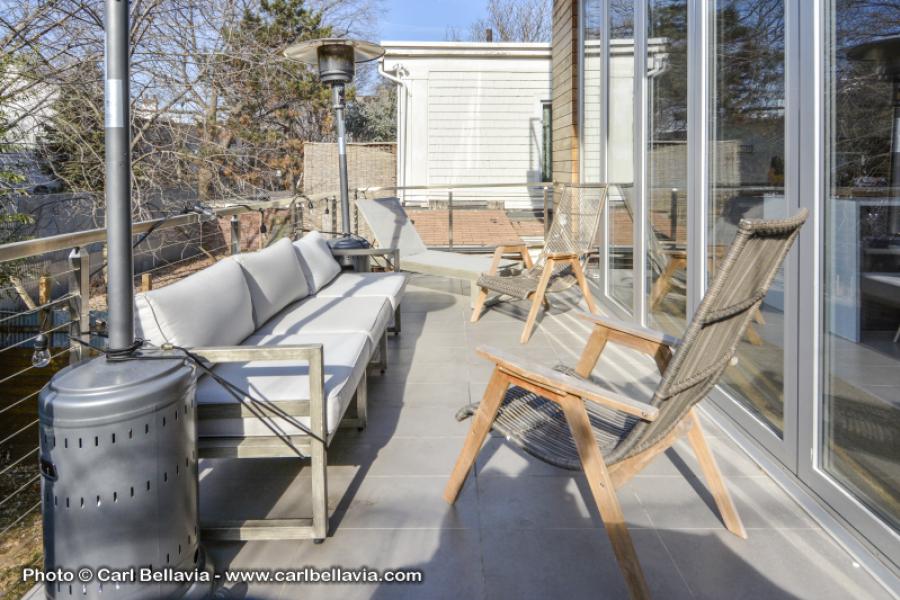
{"type": "Point", "coordinates": [472, 114]}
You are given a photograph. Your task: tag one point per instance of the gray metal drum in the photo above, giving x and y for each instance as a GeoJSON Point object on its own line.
{"type": "Point", "coordinates": [119, 465]}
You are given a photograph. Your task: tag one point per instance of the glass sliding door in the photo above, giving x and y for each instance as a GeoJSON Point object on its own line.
{"type": "Point", "coordinates": [620, 154]}
{"type": "Point", "coordinates": [747, 150]}
{"type": "Point", "coordinates": [666, 246]}
{"type": "Point", "coordinates": [859, 433]}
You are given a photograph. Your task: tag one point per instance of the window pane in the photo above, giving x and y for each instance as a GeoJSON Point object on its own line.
{"type": "Point", "coordinates": [667, 164]}
{"type": "Point", "coordinates": [747, 150]}
{"type": "Point", "coordinates": [620, 153]}
{"type": "Point", "coordinates": [861, 311]}
{"type": "Point", "coordinates": [592, 88]}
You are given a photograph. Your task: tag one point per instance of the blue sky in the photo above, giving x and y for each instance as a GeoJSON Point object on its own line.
{"type": "Point", "coordinates": [427, 19]}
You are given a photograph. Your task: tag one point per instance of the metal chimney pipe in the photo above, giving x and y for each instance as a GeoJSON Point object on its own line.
{"type": "Point", "coordinates": [120, 290]}
{"type": "Point", "coordinates": [337, 94]}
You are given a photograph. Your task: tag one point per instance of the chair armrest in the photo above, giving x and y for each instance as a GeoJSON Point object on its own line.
{"type": "Point", "coordinates": [508, 248]}
{"type": "Point", "coordinates": [393, 254]}
{"type": "Point", "coordinates": [630, 329]}
{"type": "Point", "coordinates": [562, 384]}
{"type": "Point", "coordinates": [562, 255]}
{"type": "Point", "coordinates": [499, 251]}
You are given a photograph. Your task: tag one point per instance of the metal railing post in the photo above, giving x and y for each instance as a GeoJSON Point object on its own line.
{"type": "Point", "coordinates": [235, 235]}
{"type": "Point", "coordinates": [450, 217]}
{"type": "Point", "coordinates": [79, 303]}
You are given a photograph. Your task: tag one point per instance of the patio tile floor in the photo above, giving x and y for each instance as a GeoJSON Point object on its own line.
{"type": "Point", "coordinates": [521, 529]}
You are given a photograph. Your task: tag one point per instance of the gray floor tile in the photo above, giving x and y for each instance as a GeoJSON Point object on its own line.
{"type": "Point", "coordinates": [400, 456]}
{"type": "Point", "coordinates": [770, 564]}
{"type": "Point", "coordinates": [685, 503]}
{"type": "Point", "coordinates": [450, 560]}
{"type": "Point", "coordinates": [408, 503]}
{"type": "Point", "coordinates": [550, 502]}
{"type": "Point", "coordinates": [572, 564]}
{"type": "Point", "coordinates": [416, 394]}
{"type": "Point", "coordinates": [418, 420]}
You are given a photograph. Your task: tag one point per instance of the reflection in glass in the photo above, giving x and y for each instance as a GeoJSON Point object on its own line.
{"type": "Point", "coordinates": [747, 150]}
{"type": "Point", "coordinates": [861, 262]}
{"type": "Point", "coordinates": [667, 164]}
{"type": "Point", "coordinates": [620, 151]}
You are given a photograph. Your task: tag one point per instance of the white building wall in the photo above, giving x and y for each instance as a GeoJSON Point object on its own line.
{"type": "Point", "coordinates": [470, 113]}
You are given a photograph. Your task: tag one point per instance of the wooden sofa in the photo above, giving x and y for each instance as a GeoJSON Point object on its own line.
{"type": "Point", "coordinates": [296, 335]}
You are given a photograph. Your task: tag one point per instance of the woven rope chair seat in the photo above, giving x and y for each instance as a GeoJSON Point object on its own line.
{"type": "Point", "coordinates": [524, 285]}
{"type": "Point", "coordinates": [538, 426]}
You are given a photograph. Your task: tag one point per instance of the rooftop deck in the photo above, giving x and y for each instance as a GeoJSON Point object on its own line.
{"type": "Point", "coordinates": [520, 529]}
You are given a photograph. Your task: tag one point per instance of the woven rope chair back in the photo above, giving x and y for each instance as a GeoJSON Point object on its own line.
{"type": "Point", "coordinates": [711, 339]}
{"type": "Point", "coordinates": [576, 221]}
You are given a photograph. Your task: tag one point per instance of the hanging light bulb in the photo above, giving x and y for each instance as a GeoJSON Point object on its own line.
{"type": "Point", "coordinates": [41, 356]}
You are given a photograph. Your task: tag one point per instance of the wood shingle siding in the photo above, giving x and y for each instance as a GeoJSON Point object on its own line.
{"type": "Point", "coordinates": [564, 63]}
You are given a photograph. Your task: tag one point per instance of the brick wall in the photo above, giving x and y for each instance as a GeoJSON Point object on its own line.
{"type": "Point", "coordinates": [367, 165]}
{"type": "Point", "coordinates": [565, 91]}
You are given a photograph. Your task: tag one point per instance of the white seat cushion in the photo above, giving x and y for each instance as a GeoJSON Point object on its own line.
{"type": "Point", "coordinates": [212, 307]}
{"type": "Point", "coordinates": [364, 285]}
{"type": "Point", "coordinates": [345, 356]}
{"type": "Point", "coordinates": [332, 315]}
{"type": "Point", "coordinates": [274, 278]}
{"type": "Point", "coordinates": [316, 260]}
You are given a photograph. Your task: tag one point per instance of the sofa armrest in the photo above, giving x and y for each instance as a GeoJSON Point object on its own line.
{"type": "Point", "coordinates": [391, 254]}
{"type": "Point", "coordinates": [312, 354]}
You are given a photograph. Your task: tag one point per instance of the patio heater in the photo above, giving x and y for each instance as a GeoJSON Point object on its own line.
{"type": "Point", "coordinates": [336, 60]}
{"type": "Point", "coordinates": [118, 459]}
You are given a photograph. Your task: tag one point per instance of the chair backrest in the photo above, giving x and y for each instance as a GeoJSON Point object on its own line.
{"type": "Point", "coordinates": [577, 215]}
{"type": "Point", "coordinates": [391, 225]}
{"type": "Point", "coordinates": [711, 338]}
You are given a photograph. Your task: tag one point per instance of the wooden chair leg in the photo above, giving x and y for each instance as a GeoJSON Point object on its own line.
{"type": "Point", "coordinates": [752, 336]}
{"type": "Point", "coordinates": [537, 301]}
{"type": "Point", "coordinates": [582, 283]}
{"type": "Point", "coordinates": [479, 305]}
{"type": "Point", "coordinates": [714, 478]}
{"type": "Point", "coordinates": [604, 493]}
{"type": "Point", "coordinates": [481, 426]}
{"type": "Point", "coordinates": [758, 317]}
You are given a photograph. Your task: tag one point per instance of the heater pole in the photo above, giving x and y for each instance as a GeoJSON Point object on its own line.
{"type": "Point", "coordinates": [337, 94]}
{"type": "Point", "coordinates": [120, 291]}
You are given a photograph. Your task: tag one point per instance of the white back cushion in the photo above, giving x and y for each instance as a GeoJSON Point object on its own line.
{"type": "Point", "coordinates": [316, 260]}
{"type": "Point", "coordinates": [275, 279]}
{"type": "Point", "coordinates": [210, 308]}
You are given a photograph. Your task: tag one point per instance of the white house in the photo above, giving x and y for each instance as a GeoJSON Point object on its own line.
{"type": "Point", "coordinates": [469, 113]}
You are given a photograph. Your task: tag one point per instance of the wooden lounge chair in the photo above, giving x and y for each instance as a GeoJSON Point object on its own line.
{"type": "Point", "coordinates": [393, 228]}
{"type": "Point", "coordinates": [564, 417]}
{"type": "Point", "coordinates": [576, 220]}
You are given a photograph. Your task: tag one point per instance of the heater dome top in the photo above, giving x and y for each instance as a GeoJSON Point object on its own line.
{"type": "Point", "coordinates": [308, 52]}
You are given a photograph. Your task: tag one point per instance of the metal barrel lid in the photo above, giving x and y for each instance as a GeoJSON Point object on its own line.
{"type": "Point", "coordinates": [99, 391]}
